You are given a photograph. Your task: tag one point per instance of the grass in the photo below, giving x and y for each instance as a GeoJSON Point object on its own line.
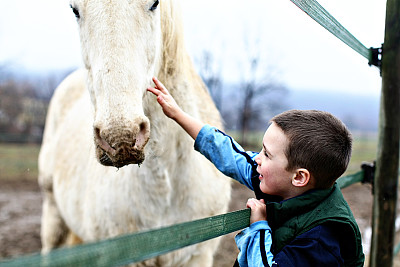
{"type": "Point", "coordinates": [364, 149]}
{"type": "Point", "coordinates": [19, 161]}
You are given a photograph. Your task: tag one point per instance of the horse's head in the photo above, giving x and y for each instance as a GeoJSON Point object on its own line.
{"type": "Point", "coordinates": [121, 42]}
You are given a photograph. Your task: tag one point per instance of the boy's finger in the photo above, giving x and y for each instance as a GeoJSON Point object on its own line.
{"type": "Point", "coordinates": [154, 91]}
{"type": "Point", "coordinates": [250, 203]}
{"type": "Point", "coordinates": [160, 100]}
{"type": "Point", "coordinates": [159, 85]}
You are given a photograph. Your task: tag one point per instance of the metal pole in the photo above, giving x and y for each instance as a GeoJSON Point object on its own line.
{"type": "Point", "coordinates": [386, 174]}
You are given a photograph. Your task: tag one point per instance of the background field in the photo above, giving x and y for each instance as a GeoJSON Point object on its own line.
{"type": "Point", "coordinates": [19, 161]}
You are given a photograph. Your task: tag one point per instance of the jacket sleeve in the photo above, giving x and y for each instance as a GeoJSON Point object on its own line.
{"type": "Point", "coordinates": [254, 244]}
{"type": "Point", "coordinates": [227, 155]}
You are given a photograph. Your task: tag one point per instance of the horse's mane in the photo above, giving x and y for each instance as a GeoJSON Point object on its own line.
{"type": "Point", "coordinates": [175, 59]}
{"type": "Point", "coordinates": [174, 51]}
{"type": "Point", "coordinates": [177, 67]}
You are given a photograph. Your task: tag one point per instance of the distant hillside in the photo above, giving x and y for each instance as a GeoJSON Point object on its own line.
{"type": "Point", "coordinates": [358, 112]}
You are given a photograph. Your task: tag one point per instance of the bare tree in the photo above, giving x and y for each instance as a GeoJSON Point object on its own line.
{"type": "Point", "coordinates": [10, 105]}
{"type": "Point", "coordinates": [259, 100]}
{"type": "Point", "coordinates": [212, 78]}
{"type": "Point", "coordinates": [24, 100]}
{"type": "Point", "coordinates": [261, 95]}
{"type": "Point", "coordinates": [46, 84]}
{"type": "Point", "coordinates": [249, 105]}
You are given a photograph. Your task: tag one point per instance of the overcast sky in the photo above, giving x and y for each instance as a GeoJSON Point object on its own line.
{"type": "Point", "coordinates": [42, 35]}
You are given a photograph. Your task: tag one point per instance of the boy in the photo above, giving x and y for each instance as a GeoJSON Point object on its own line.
{"type": "Point", "coordinates": [300, 217]}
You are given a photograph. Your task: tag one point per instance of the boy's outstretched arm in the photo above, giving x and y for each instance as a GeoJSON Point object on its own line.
{"type": "Point", "coordinates": [171, 109]}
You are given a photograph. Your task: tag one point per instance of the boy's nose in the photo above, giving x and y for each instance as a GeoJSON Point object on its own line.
{"type": "Point", "coordinates": [257, 159]}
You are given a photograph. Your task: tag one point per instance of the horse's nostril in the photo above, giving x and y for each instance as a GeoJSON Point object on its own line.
{"type": "Point", "coordinates": [143, 126]}
{"type": "Point", "coordinates": [97, 132]}
{"type": "Point", "coordinates": [143, 135]}
{"type": "Point", "coordinates": [102, 143]}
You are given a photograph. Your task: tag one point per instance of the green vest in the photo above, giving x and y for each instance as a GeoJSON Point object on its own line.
{"type": "Point", "coordinates": [296, 216]}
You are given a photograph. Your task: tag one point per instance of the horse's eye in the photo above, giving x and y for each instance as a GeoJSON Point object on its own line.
{"type": "Point", "coordinates": [76, 12]}
{"type": "Point", "coordinates": [154, 6]}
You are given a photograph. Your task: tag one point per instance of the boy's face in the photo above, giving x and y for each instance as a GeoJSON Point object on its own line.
{"type": "Point", "coordinates": [272, 162]}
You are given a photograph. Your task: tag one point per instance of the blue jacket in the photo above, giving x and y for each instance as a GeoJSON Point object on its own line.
{"type": "Point", "coordinates": [318, 245]}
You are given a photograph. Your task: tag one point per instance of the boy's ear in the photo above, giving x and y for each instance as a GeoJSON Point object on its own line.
{"type": "Point", "coordinates": [301, 177]}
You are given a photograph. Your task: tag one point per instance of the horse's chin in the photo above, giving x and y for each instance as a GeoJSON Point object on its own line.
{"type": "Point", "coordinates": [118, 161]}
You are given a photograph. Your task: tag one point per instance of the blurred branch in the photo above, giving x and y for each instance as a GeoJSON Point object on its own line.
{"type": "Point", "coordinates": [212, 78]}
{"type": "Point", "coordinates": [24, 99]}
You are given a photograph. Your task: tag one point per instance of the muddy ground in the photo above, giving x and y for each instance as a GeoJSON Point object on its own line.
{"type": "Point", "coordinates": [20, 210]}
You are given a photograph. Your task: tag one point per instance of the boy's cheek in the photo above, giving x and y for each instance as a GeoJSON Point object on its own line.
{"type": "Point", "coordinates": [264, 187]}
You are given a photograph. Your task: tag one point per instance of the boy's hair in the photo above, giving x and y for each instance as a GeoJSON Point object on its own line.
{"type": "Point", "coordinates": [318, 142]}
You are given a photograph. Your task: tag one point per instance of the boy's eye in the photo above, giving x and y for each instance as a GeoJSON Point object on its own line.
{"type": "Point", "coordinates": [264, 152]}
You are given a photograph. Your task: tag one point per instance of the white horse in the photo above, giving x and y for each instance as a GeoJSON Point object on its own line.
{"type": "Point", "coordinates": [111, 162]}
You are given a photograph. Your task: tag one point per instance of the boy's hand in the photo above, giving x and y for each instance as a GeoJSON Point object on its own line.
{"type": "Point", "coordinates": [258, 210]}
{"type": "Point", "coordinates": [166, 101]}
{"type": "Point", "coordinates": [171, 109]}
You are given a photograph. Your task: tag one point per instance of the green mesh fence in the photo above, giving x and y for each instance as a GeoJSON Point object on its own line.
{"type": "Point", "coordinates": [326, 20]}
{"type": "Point", "coordinates": [348, 180]}
{"type": "Point", "coordinates": [145, 245]}
{"type": "Point", "coordinates": [139, 246]}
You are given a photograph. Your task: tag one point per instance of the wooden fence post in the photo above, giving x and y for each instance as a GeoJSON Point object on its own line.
{"type": "Point", "coordinates": [386, 174]}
